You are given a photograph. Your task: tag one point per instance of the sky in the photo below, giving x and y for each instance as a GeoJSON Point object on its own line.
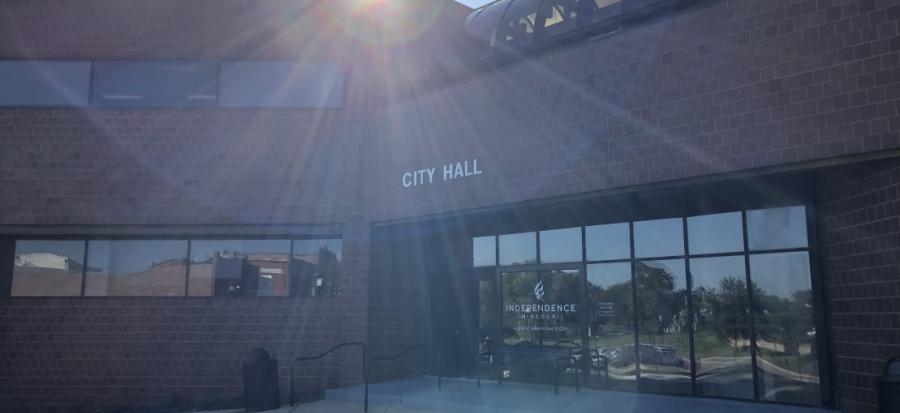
{"type": "Point", "coordinates": [474, 3]}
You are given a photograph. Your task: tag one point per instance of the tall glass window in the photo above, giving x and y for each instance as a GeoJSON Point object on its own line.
{"type": "Point", "coordinates": [787, 359]}
{"type": "Point", "coordinates": [664, 351]}
{"type": "Point", "coordinates": [136, 268]}
{"type": "Point", "coordinates": [48, 268]}
{"type": "Point", "coordinates": [707, 305]}
{"type": "Point", "coordinates": [721, 327]}
{"type": "Point", "coordinates": [611, 323]}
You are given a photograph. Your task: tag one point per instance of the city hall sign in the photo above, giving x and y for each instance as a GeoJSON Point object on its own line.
{"type": "Point", "coordinates": [447, 172]}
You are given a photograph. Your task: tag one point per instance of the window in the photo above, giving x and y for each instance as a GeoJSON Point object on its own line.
{"type": "Point", "coordinates": [135, 268]}
{"type": "Point", "coordinates": [659, 238]}
{"type": "Point", "coordinates": [561, 245]}
{"type": "Point", "coordinates": [44, 83]}
{"type": "Point", "coordinates": [149, 83]}
{"type": "Point", "coordinates": [717, 233]}
{"type": "Point", "coordinates": [518, 249]}
{"type": "Point", "coordinates": [315, 267]}
{"type": "Point", "coordinates": [517, 26]}
{"type": "Point", "coordinates": [749, 303]}
{"type": "Point", "coordinates": [288, 84]}
{"type": "Point", "coordinates": [776, 228]}
{"type": "Point", "coordinates": [239, 268]}
{"type": "Point", "coordinates": [48, 268]}
{"type": "Point", "coordinates": [557, 16]}
{"type": "Point", "coordinates": [608, 242]}
{"type": "Point", "coordinates": [484, 251]}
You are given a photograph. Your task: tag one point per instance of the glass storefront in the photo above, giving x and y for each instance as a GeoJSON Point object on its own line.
{"type": "Point", "coordinates": [717, 305]}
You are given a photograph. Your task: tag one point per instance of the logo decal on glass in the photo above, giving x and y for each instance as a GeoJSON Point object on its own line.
{"type": "Point", "coordinates": [539, 290]}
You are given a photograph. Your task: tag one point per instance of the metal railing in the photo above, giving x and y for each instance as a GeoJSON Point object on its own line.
{"type": "Point", "coordinates": [365, 370]}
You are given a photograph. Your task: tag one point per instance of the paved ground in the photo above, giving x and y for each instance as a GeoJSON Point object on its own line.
{"type": "Point", "coordinates": [421, 395]}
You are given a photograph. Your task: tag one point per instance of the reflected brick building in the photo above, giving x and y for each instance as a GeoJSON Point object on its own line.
{"type": "Point", "coordinates": [159, 157]}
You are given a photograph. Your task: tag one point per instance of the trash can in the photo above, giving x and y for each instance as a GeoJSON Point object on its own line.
{"type": "Point", "coordinates": [261, 382]}
{"type": "Point", "coordinates": [888, 386]}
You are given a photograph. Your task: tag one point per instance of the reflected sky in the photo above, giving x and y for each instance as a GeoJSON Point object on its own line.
{"type": "Point", "coordinates": [776, 228]}
{"type": "Point", "coordinates": [659, 238]}
{"type": "Point", "coordinates": [71, 249]}
{"type": "Point", "coordinates": [609, 274]}
{"type": "Point", "coordinates": [203, 250]}
{"type": "Point", "coordinates": [716, 233]}
{"type": "Point", "coordinates": [484, 251]}
{"type": "Point", "coordinates": [124, 257]}
{"type": "Point", "coordinates": [518, 248]}
{"type": "Point", "coordinates": [608, 242]}
{"type": "Point", "coordinates": [561, 245]}
{"type": "Point", "coordinates": [781, 274]}
{"type": "Point", "coordinates": [708, 272]}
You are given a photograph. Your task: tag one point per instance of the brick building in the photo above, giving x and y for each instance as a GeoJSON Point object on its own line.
{"type": "Point", "coordinates": [184, 181]}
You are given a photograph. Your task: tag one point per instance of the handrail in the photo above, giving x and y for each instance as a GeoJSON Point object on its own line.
{"type": "Point", "coordinates": [365, 371]}
{"type": "Point", "coordinates": [400, 354]}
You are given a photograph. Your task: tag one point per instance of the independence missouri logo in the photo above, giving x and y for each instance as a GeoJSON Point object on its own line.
{"type": "Point", "coordinates": [539, 290]}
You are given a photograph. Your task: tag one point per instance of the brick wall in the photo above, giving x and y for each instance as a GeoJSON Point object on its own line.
{"type": "Point", "coordinates": [860, 239]}
{"type": "Point", "coordinates": [731, 86]}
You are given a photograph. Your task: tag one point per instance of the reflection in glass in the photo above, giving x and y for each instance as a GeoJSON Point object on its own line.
{"type": "Point", "coordinates": [557, 16]}
{"type": "Point", "coordinates": [662, 319]}
{"type": "Point", "coordinates": [136, 268]}
{"type": "Point", "coordinates": [607, 242]}
{"type": "Point", "coordinates": [315, 267]}
{"type": "Point", "coordinates": [517, 25]}
{"type": "Point", "coordinates": [716, 233]}
{"type": "Point", "coordinates": [540, 309]}
{"type": "Point", "coordinates": [611, 324]}
{"type": "Point", "coordinates": [484, 251]}
{"type": "Point", "coordinates": [777, 228]}
{"type": "Point", "coordinates": [659, 238]}
{"type": "Point", "coordinates": [239, 267]}
{"type": "Point", "coordinates": [561, 245]}
{"type": "Point", "coordinates": [518, 248]}
{"type": "Point", "coordinates": [787, 362]}
{"type": "Point", "coordinates": [48, 268]}
{"type": "Point", "coordinates": [721, 329]}
{"type": "Point", "coordinates": [485, 316]}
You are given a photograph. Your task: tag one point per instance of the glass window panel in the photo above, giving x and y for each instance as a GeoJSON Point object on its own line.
{"type": "Point", "coordinates": [541, 309]}
{"type": "Point", "coordinates": [518, 249]}
{"type": "Point", "coordinates": [787, 357]}
{"type": "Point", "coordinates": [611, 324]}
{"type": "Point", "coordinates": [269, 84]}
{"type": "Point", "coordinates": [155, 83]}
{"type": "Point", "coordinates": [721, 328]}
{"type": "Point", "coordinates": [44, 83]}
{"type": "Point", "coordinates": [716, 233]}
{"type": "Point", "coordinates": [659, 238]}
{"type": "Point", "coordinates": [316, 268]}
{"type": "Point", "coordinates": [662, 319]}
{"type": "Point", "coordinates": [558, 16]}
{"type": "Point", "coordinates": [561, 245]}
{"type": "Point", "coordinates": [484, 251]}
{"type": "Point", "coordinates": [777, 228]}
{"type": "Point", "coordinates": [484, 25]}
{"type": "Point", "coordinates": [136, 268]}
{"type": "Point", "coordinates": [597, 10]}
{"type": "Point", "coordinates": [517, 26]}
{"type": "Point", "coordinates": [239, 267]}
{"type": "Point", "coordinates": [48, 268]}
{"type": "Point", "coordinates": [608, 242]}
{"type": "Point", "coordinates": [486, 303]}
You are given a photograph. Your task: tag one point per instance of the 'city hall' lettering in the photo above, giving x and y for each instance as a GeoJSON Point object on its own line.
{"type": "Point", "coordinates": [451, 171]}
